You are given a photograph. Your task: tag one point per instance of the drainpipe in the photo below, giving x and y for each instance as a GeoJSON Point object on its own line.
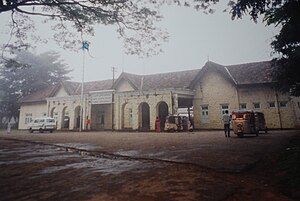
{"type": "Point", "coordinates": [112, 110]}
{"type": "Point", "coordinates": [171, 102]}
{"type": "Point", "coordinates": [278, 109]}
{"type": "Point", "coordinates": [238, 98]}
{"type": "Point", "coordinates": [48, 112]}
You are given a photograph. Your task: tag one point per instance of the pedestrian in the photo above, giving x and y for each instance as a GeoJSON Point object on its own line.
{"type": "Point", "coordinates": [8, 127]}
{"type": "Point", "coordinates": [157, 124]}
{"type": "Point", "coordinates": [88, 123]}
{"type": "Point", "coordinates": [226, 121]}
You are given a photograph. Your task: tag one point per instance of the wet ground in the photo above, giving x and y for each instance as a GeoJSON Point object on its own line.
{"type": "Point", "coordinates": [140, 166]}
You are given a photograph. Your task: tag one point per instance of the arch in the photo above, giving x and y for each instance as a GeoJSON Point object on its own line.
{"type": "Point", "coordinates": [144, 116]}
{"type": "Point", "coordinates": [126, 116]}
{"type": "Point", "coordinates": [54, 114]}
{"type": "Point", "coordinates": [65, 124]}
{"type": "Point", "coordinates": [77, 115]}
{"type": "Point", "coordinates": [162, 110]}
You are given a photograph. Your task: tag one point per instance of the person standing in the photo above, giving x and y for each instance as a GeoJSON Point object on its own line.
{"type": "Point", "coordinates": [8, 127]}
{"type": "Point", "coordinates": [226, 121]}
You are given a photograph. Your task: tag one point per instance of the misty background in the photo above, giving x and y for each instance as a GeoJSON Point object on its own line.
{"type": "Point", "coordinates": [194, 38]}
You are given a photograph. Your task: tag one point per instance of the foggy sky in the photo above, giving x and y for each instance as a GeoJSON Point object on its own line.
{"type": "Point", "coordinates": [194, 39]}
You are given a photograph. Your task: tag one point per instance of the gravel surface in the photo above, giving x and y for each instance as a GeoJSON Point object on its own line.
{"type": "Point", "coordinates": [138, 166]}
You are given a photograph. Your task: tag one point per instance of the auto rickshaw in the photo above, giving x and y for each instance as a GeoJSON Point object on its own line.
{"type": "Point", "coordinates": [177, 123]}
{"type": "Point", "coordinates": [248, 122]}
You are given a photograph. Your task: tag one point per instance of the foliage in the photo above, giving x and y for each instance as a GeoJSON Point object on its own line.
{"type": "Point", "coordinates": [135, 21]}
{"type": "Point", "coordinates": [25, 74]}
{"type": "Point", "coordinates": [283, 13]}
{"type": "Point", "coordinates": [72, 19]}
{"type": "Point", "coordinates": [286, 45]}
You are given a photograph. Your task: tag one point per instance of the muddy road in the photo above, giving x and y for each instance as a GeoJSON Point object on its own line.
{"type": "Point", "coordinates": [113, 166]}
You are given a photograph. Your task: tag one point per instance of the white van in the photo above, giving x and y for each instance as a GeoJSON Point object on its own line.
{"type": "Point", "coordinates": [42, 124]}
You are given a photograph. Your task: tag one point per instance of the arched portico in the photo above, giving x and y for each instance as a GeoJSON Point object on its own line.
{"type": "Point", "coordinates": [162, 110]}
{"type": "Point", "coordinates": [65, 124]}
{"type": "Point", "coordinates": [77, 112]}
{"type": "Point", "coordinates": [126, 120]}
{"type": "Point", "coordinates": [144, 116]}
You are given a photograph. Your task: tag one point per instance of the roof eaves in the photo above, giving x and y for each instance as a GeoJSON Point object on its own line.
{"type": "Point", "coordinates": [235, 82]}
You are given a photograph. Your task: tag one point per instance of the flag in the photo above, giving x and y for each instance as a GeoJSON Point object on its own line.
{"type": "Point", "coordinates": [85, 45]}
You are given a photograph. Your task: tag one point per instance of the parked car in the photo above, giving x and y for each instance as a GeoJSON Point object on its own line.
{"type": "Point", "coordinates": [42, 124]}
{"type": "Point", "coordinates": [248, 122]}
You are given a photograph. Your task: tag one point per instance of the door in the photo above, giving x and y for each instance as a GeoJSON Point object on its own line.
{"type": "Point", "coordinates": [100, 119]}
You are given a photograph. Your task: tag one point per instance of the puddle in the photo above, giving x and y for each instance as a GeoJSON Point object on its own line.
{"type": "Point", "coordinates": [127, 153]}
{"type": "Point", "coordinates": [88, 147]}
{"type": "Point", "coordinates": [74, 156]}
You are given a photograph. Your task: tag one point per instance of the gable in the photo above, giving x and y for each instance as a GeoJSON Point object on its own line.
{"type": "Point", "coordinates": [61, 92]}
{"type": "Point", "coordinates": [214, 68]}
{"type": "Point", "coordinates": [215, 83]}
{"type": "Point", "coordinates": [123, 86]}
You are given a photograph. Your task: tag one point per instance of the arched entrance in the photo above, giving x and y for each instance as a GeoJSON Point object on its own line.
{"type": "Point", "coordinates": [54, 114]}
{"type": "Point", "coordinates": [144, 117]}
{"type": "Point", "coordinates": [126, 116]}
{"type": "Point", "coordinates": [77, 117]}
{"type": "Point", "coordinates": [162, 112]}
{"type": "Point", "coordinates": [65, 124]}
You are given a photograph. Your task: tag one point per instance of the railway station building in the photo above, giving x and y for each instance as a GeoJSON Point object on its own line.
{"type": "Point", "coordinates": [133, 102]}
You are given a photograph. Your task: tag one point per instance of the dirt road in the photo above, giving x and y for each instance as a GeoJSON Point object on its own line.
{"type": "Point", "coordinates": [140, 166]}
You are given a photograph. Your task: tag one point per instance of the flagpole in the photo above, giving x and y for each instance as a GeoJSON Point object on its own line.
{"type": "Point", "coordinates": [81, 97]}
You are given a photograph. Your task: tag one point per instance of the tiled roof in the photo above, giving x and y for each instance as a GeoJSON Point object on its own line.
{"type": "Point", "coordinates": [177, 80]}
{"type": "Point", "coordinates": [72, 88]}
{"type": "Point", "coordinates": [39, 96]}
{"type": "Point", "coordinates": [251, 73]}
{"type": "Point", "coordinates": [93, 86]}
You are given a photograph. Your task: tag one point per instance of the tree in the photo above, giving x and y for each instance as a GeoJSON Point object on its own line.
{"type": "Point", "coordinates": [25, 74]}
{"type": "Point", "coordinates": [136, 24]}
{"type": "Point", "coordinates": [286, 45]}
{"type": "Point", "coordinates": [71, 20]}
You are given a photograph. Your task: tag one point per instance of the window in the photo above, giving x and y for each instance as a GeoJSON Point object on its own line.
{"type": "Point", "coordinates": [204, 110]}
{"type": "Point", "coordinates": [271, 104]}
{"type": "Point", "coordinates": [224, 107]}
{"type": "Point", "coordinates": [204, 114]}
{"type": "Point", "coordinates": [243, 106]}
{"type": "Point", "coordinates": [256, 105]}
{"type": "Point", "coordinates": [28, 118]}
{"type": "Point", "coordinates": [50, 121]}
{"type": "Point", "coordinates": [283, 104]}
